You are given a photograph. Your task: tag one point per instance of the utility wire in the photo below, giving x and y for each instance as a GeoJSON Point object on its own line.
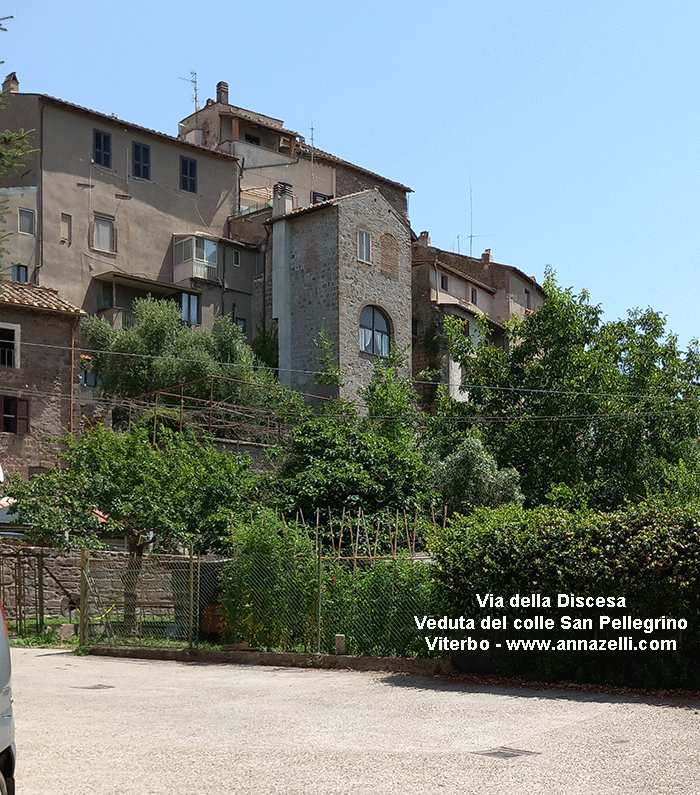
{"type": "Point", "coordinates": [464, 387]}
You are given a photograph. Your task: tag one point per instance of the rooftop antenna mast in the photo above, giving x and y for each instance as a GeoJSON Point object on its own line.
{"type": "Point", "coordinates": [193, 79]}
{"type": "Point", "coordinates": [471, 216]}
{"type": "Point", "coordinates": [471, 219]}
{"type": "Point", "coordinates": [312, 161]}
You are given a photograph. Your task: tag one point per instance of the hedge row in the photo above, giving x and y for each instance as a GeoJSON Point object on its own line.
{"type": "Point", "coordinates": [648, 555]}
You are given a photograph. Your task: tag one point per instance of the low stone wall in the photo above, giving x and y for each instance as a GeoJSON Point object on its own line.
{"type": "Point", "coordinates": [23, 568]}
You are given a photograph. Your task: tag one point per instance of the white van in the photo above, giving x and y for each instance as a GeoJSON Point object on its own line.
{"type": "Point", "coordinates": [7, 723]}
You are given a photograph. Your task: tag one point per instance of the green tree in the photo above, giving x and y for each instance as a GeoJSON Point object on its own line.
{"type": "Point", "coordinates": [468, 476]}
{"type": "Point", "coordinates": [347, 459]}
{"type": "Point", "coordinates": [175, 493]}
{"type": "Point", "coordinates": [160, 352]}
{"type": "Point", "coordinates": [572, 400]}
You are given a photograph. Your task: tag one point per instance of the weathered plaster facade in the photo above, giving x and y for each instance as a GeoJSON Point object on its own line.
{"type": "Point", "coordinates": [468, 288]}
{"type": "Point", "coordinates": [269, 154]}
{"type": "Point", "coordinates": [110, 203]}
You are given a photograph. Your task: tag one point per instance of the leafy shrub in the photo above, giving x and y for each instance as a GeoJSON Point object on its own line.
{"type": "Point", "coordinates": [650, 555]}
{"type": "Point", "coordinates": [271, 595]}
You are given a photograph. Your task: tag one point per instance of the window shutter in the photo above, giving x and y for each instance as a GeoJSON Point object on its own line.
{"type": "Point", "coordinates": [22, 416]}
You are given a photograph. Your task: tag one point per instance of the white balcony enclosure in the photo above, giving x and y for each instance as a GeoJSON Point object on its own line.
{"type": "Point", "coordinates": [194, 258]}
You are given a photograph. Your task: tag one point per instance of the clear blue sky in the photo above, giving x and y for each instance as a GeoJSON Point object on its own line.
{"type": "Point", "coordinates": [576, 121]}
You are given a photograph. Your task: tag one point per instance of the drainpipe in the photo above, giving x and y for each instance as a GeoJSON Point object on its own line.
{"type": "Point", "coordinates": [73, 331]}
{"type": "Point", "coordinates": [40, 198]}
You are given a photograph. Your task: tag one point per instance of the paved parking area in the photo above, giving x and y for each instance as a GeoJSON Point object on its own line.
{"type": "Point", "coordinates": [131, 727]}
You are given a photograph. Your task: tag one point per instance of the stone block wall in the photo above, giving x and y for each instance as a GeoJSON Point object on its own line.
{"type": "Point", "coordinates": [313, 275]}
{"type": "Point", "coordinates": [164, 581]}
{"type": "Point", "coordinates": [349, 180]}
{"type": "Point", "coordinates": [384, 282]}
{"type": "Point", "coordinates": [46, 378]}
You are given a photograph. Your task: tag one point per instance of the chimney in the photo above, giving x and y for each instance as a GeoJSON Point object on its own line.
{"type": "Point", "coordinates": [423, 239]}
{"type": "Point", "coordinates": [11, 84]}
{"type": "Point", "coordinates": [222, 92]}
{"type": "Point", "coordinates": [486, 256]}
{"type": "Point", "coordinates": [282, 199]}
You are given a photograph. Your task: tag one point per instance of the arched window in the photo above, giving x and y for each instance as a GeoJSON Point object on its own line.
{"type": "Point", "coordinates": [375, 331]}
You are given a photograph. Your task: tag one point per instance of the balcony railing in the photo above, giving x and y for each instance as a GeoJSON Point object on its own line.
{"type": "Point", "coordinates": [194, 269]}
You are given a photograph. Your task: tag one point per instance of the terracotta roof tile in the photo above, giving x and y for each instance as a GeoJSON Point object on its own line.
{"type": "Point", "coordinates": [34, 297]}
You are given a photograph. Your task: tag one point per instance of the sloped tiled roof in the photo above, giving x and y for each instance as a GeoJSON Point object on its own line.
{"type": "Point", "coordinates": [31, 296]}
{"type": "Point", "coordinates": [130, 125]}
{"type": "Point", "coordinates": [321, 155]}
{"type": "Point", "coordinates": [334, 202]}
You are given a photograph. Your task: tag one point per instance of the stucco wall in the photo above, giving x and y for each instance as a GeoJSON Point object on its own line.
{"type": "Point", "coordinates": [70, 183]}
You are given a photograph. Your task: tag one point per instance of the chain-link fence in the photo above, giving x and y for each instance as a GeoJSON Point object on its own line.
{"type": "Point", "coordinates": [37, 587]}
{"type": "Point", "coordinates": [258, 600]}
{"type": "Point", "coordinates": [255, 598]}
{"type": "Point", "coordinates": [302, 604]}
{"type": "Point", "coordinates": [150, 601]}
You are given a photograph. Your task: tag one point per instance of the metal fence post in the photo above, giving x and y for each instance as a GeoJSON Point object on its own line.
{"type": "Point", "coordinates": [191, 628]}
{"type": "Point", "coordinates": [40, 592]}
{"type": "Point", "coordinates": [320, 584]}
{"type": "Point", "coordinates": [84, 595]}
{"type": "Point", "coordinates": [19, 596]}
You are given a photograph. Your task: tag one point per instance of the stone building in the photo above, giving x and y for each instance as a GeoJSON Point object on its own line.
{"type": "Point", "coordinates": [470, 289]}
{"type": "Point", "coordinates": [39, 375]}
{"type": "Point", "coordinates": [269, 153]}
{"type": "Point", "coordinates": [343, 266]}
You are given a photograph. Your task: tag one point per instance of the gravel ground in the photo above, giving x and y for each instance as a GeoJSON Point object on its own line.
{"type": "Point", "coordinates": [101, 726]}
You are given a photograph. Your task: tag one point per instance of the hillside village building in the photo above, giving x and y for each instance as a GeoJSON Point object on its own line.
{"type": "Point", "coordinates": [237, 216]}
{"type": "Point", "coordinates": [39, 375]}
{"type": "Point", "coordinates": [106, 211]}
{"type": "Point", "coordinates": [470, 289]}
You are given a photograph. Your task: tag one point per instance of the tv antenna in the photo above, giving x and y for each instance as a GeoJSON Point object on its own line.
{"type": "Point", "coordinates": [312, 160]}
{"type": "Point", "coordinates": [193, 79]}
{"type": "Point", "coordinates": [471, 234]}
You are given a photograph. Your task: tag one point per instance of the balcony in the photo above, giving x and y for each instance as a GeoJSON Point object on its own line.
{"type": "Point", "coordinates": [194, 258]}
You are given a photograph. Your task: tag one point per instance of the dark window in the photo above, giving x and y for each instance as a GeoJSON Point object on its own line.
{"type": "Point", "coordinates": [141, 157]}
{"type": "Point", "coordinates": [15, 414]}
{"type": "Point", "coordinates": [188, 174]}
{"type": "Point", "coordinates": [252, 139]}
{"type": "Point", "coordinates": [7, 347]}
{"type": "Point", "coordinates": [88, 379]}
{"type": "Point", "coordinates": [528, 304]}
{"type": "Point", "coordinates": [240, 322]}
{"type": "Point", "coordinates": [375, 334]}
{"type": "Point", "coordinates": [474, 295]}
{"type": "Point", "coordinates": [317, 197]}
{"type": "Point", "coordinates": [19, 274]}
{"type": "Point", "coordinates": [443, 282]}
{"type": "Point", "coordinates": [102, 148]}
{"type": "Point", "coordinates": [107, 295]}
{"type": "Point", "coordinates": [190, 308]}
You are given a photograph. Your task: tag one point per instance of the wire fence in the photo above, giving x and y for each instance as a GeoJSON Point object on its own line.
{"type": "Point", "coordinates": [36, 587]}
{"type": "Point", "coordinates": [253, 599]}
